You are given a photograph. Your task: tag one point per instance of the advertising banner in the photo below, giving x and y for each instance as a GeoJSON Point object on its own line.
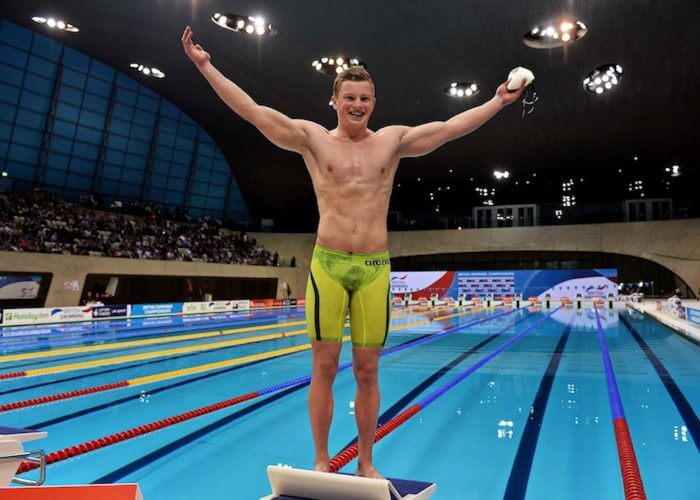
{"type": "Point", "coordinates": [119, 311]}
{"type": "Point", "coordinates": [46, 315]}
{"type": "Point", "coordinates": [588, 283]}
{"type": "Point", "coordinates": [16, 287]}
{"type": "Point", "coordinates": [693, 315]}
{"type": "Point", "coordinates": [156, 309]}
{"type": "Point", "coordinates": [214, 306]}
{"type": "Point", "coordinates": [260, 303]}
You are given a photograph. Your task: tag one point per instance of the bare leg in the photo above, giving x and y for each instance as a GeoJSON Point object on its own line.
{"type": "Point", "coordinates": [365, 364]}
{"type": "Point", "coordinates": [325, 367]}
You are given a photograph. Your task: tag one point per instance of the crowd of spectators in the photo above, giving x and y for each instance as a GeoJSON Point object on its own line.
{"type": "Point", "coordinates": [39, 222]}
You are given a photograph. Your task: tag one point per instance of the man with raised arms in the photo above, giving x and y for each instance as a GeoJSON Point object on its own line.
{"type": "Point", "coordinates": [352, 169]}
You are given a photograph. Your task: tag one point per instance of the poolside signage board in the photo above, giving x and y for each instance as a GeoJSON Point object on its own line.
{"type": "Point", "coordinates": [118, 311]}
{"type": "Point", "coordinates": [693, 315]}
{"type": "Point", "coordinates": [215, 306]}
{"type": "Point", "coordinates": [557, 283]}
{"type": "Point", "coordinates": [156, 309]}
{"type": "Point", "coordinates": [46, 315]}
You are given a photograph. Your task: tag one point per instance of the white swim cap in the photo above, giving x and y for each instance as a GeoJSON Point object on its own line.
{"type": "Point", "coordinates": [519, 75]}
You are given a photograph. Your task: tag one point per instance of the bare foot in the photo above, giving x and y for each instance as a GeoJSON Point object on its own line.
{"type": "Point", "coordinates": [368, 471]}
{"type": "Point", "coordinates": [322, 467]}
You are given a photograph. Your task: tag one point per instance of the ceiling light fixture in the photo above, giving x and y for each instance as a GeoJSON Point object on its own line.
{"type": "Point", "coordinates": [550, 36]}
{"type": "Point", "coordinates": [462, 89]}
{"type": "Point", "coordinates": [244, 24]}
{"type": "Point", "coordinates": [147, 70]}
{"type": "Point", "coordinates": [335, 65]}
{"type": "Point", "coordinates": [54, 23]}
{"type": "Point", "coordinates": [501, 175]}
{"type": "Point", "coordinates": [603, 78]}
{"type": "Point", "coordinates": [675, 170]}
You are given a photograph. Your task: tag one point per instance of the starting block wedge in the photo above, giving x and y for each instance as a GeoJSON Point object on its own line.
{"type": "Point", "coordinates": [289, 483]}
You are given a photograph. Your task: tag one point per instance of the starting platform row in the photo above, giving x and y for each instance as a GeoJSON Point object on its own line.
{"type": "Point", "coordinates": [516, 301]}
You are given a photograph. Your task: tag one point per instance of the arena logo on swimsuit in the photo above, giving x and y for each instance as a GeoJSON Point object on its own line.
{"type": "Point", "coordinates": [377, 262]}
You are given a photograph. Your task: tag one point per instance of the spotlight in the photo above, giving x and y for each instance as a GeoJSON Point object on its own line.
{"type": "Point", "coordinates": [547, 36]}
{"type": "Point", "coordinates": [603, 78]}
{"type": "Point", "coordinates": [335, 65]}
{"type": "Point", "coordinates": [461, 89]}
{"type": "Point", "coordinates": [244, 24]}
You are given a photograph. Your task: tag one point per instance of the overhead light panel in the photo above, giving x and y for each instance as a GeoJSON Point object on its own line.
{"type": "Point", "coordinates": [250, 25]}
{"type": "Point", "coordinates": [603, 79]}
{"type": "Point", "coordinates": [334, 65]}
{"type": "Point", "coordinates": [552, 35]}
{"type": "Point", "coordinates": [56, 23]}
{"type": "Point", "coordinates": [147, 70]}
{"type": "Point", "coordinates": [462, 89]}
{"type": "Point", "coordinates": [674, 170]}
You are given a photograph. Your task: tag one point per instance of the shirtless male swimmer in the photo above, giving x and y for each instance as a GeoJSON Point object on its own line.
{"type": "Point", "coordinates": [352, 169]}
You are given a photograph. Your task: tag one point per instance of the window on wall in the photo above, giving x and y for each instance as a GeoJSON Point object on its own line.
{"type": "Point", "coordinates": [75, 125]}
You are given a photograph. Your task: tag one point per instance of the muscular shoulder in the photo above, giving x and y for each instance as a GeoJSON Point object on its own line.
{"type": "Point", "coordinates": [393, 131]}
{"type": "Point", "coordinates": [313, 128]}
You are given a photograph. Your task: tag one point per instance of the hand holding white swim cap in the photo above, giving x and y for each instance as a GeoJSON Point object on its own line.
{"type": "Point", "coordinates": [519, 75]}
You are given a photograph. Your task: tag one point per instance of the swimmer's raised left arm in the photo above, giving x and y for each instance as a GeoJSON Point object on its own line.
{"type": "Point", "coordinates": [422, 139]}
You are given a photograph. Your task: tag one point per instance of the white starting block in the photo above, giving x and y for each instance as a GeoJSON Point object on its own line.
{"type": "Point", "coordinates": [288, 483]}
{"type": "Point", "coordinates": [12, 454]}
{"type": "Point", "coordinates": [409, 301]}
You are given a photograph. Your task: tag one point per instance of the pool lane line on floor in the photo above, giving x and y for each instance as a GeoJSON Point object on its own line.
{"type": "Point", "coordinates": [195, 369]}
{"type": "Point", "coordinates": [397, 407]}
{"type": "Point", "coordinates": [682, 404]}
{"type": "Point", "coordinates": [522, 464]}
{"type": "Point", "coordinates": [117, 324]}
{"type": "Point", "coordinates": [118, 437]}
{"type": "Point", "coordinates": [143, 342]}
{"type": "Point", "coordinates": [154, 341]}
{"type": "Point", "coordinates": [118, 349]}
{"type": "Point", "coordinates": [631, 477]}
{"type": "Point", "coordinates": [346, 455]}
{"type": "Point", "coordinates": [152, 362]}
{"type": "Point", "coordinates": [159, 453]}
{"type": "Point", "coordinates": [135, 331]}
{"type": "Point", "coordinates": [85, 365]}
{"type": "Point", "coordinates": [36, 372]}
{"type": "Point", "coordinates": [156, 390]}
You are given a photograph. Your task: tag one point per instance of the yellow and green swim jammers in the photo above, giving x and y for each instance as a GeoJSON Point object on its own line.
{"type": "Point", "coordinates": [339, 280]}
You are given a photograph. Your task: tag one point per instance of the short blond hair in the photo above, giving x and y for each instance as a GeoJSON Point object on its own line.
{"type": "Point", "coordinates": [352, 74]}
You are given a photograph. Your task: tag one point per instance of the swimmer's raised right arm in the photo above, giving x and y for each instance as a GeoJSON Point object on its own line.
{"type": "Point", "coordinates": [289, 134]}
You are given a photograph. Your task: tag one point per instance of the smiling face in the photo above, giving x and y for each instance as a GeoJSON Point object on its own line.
{"type": "Point", "coordinates": [354, 102]}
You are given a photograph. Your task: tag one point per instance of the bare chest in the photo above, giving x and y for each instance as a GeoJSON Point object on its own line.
{"type": "Point", "coordinates": [355, 163]}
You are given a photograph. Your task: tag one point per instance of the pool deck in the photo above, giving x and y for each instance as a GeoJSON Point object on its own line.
{"type": "Point", "coordinates": [663, 315]}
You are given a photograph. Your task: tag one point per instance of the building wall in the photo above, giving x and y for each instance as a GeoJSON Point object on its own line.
{"type": "Point", "coordinates": [674, 244]}
{"type": "Point", "coordinates": [67, 268]}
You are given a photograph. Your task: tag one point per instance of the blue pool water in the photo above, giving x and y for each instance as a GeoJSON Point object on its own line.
{"type": "Point", "coordinates": [533, 422]}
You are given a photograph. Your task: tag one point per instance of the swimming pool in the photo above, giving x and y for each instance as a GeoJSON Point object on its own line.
{"type": "Point", "coordinates": [534, 421]}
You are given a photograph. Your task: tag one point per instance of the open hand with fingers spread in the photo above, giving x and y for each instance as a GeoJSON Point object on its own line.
{"type": "Point", "coordinates": [196, 53]}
